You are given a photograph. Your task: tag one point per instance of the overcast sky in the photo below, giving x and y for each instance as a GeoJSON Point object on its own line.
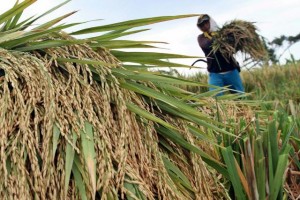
{"type": "Point", "coordinates": [273, 18]}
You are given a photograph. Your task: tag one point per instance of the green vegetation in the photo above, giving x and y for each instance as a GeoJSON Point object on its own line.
{"type": "Point", "coordinates": [267, 140]}
{"type": "Point", "coordinates": [83, 119]}
{"type": "Point", "coordinates": [274, 82]}
{"type": "Point", "coordinates": [269, 83]}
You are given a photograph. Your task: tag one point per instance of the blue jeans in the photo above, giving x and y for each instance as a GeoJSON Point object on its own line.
{"type": "Point", "coordinates": [231, 79]}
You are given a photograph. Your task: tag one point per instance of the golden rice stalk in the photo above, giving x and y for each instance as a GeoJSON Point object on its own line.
{"type": "Point", "coordinates": [45, 104]}
{"type": "Point", "coordinates": [239, 36]}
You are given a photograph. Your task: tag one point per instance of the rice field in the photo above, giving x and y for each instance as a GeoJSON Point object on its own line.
{"type": "Point", "coordinates": [274, 82]}
{"type": "Point", "coordinates": [274, 92]}
{"type": "Point", "coordinates": [78, 122]}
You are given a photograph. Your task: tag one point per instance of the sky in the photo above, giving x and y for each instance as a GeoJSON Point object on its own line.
{"type": "Point", "coordinates": [273, 18]}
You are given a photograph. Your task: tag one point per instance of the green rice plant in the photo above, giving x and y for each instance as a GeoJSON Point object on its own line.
{"type": "Point", "coordinates": [79, 122]}
{"type": "Point", "coordinates": [257, 162]}
{"type": "Point", "coordinates": [268, 83]}
{"type": "Point", "coordinates": [273, 83]}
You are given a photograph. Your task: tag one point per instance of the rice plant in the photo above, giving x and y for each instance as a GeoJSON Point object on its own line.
{"type": "Point", "coordinates": [263, 161]}
{"type": "Point", "coordinates": [77, 123]}
{"type": "Point", "coordinates": [273, 83]}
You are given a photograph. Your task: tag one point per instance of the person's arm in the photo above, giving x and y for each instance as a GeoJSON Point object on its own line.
{"type": "Point", "coordinates": [204, 45]}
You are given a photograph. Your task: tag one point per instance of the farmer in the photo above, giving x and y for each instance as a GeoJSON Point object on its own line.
{"type": "Point", "coordinates": [221, 72]}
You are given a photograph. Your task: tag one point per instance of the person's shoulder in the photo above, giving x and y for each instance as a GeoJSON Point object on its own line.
{"type": "Point", "coordinates": [201, 37]}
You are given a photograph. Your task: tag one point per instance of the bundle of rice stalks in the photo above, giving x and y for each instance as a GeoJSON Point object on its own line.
{"type": "Point", "coordinates": [65, 135]}
{"type": "Point", "coordinates": [239, 35]}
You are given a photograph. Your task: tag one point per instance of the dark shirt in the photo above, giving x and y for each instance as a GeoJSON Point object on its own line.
{"type": "Point", "coordinates": [216, 62]}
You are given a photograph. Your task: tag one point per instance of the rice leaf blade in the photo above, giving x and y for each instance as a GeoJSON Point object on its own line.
{"type": "Point", "coordinates": [87, 144]}
{"type": "Point", "coordinates": [70, 152]}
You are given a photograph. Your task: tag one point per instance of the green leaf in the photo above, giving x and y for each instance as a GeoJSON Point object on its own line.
{"type": "Point", "coordinates": [88, 149]}
{"type": "Point", "coordinates": [137, 67]}
{"type": "Point", "coordinates": [10, 21]}
{"type": "Point", "coordinates": [178, 139]}
{"type": "Point", "coordinates": [233, 173]}
{"type": "Point", "coordinates": [52, 22]}
{"type": "Point", "coordinates": [190, 117]}
{"type": "Point", "coordinates": [81, 169]}
{"type": "Point", "coordinates": [287, 137]}
{"type": "Point", "coordinates": [11, 36]}
{"type": "Point", "coordinates": [154, 77]}
{"type": "Point", "coordinates": [29, 36]}
{"type": "Point", "coordinates": [56, 134]}
{"type": "Point", "coordinates": [70, 152]}
{"type": "Point", "coordinates": [135, 192]}
{"type": "Point", "coordinates": [140, 112]}
{"type": "Point", "coordinates": [174, 103]}
{"type": "Point", "coordinates": [48, 44]}
{"type": "Point", "coordinates": [30, 21]}
{"type": "Point", "coordinates": [276, 184]}
{"type": "Point", "coordinates": [15, 10]}
{"type": "Point", "coordinates": [273, 144]}
{"type": "Point", "coordinates": [174, 106]}
{"type": "Point", "coordinates": [151, 58]}
{"type": "Point", "coordinates": [130, 24]}
{"type": "Point", "coordinates": [177, 92]}
{"type": "Point", "coordinates": [260, 167]}
{"type": "Point", "coordinates": [296, 140]}
{"type": "Point", "coordinates": [294, 157]}
{"type": "Point", "coordinates": [12, 25]}
{"type": "Point", "coordinates": [173, 169]}
{"type": "Point", "coordinates": [202, 136]}
{"type": "Point", "coordinates": [144, 56]}
{"type": "Point", "coordinates": [115, 34]}
{"type": "Point", "coordinates": [22, 25]}
{"type": "Point", "coordinates": [270, 163]}
{"type": "Point", "coordinates": [186, 194]}
{"type": "Point", "coordinates": [79, 182]}
{"type": "Point", "coordinates": [159, 63]}
{"type": "Point", "coordinates": [121, 44]}
{"type": "Point", "coordinates": [163, 142]}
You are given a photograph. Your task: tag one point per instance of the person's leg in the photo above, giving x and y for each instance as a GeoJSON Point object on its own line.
{"type": "Point", "coordinates": [216, 80]}
{"type": "Point", "coordinates": [233, 79]}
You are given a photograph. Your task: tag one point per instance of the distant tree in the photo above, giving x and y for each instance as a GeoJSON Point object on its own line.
{"type": "Point", "coordinates": [271, 52]}
{"type": "Point", "coordinates": [279, 42]}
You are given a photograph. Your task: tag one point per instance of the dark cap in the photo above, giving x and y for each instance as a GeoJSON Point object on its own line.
{"type": "Point", "coordinates": [202, 18]}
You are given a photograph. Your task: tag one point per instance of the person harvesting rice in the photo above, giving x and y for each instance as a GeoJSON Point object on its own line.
{"type": "Point", "coordinates": [222, 71]}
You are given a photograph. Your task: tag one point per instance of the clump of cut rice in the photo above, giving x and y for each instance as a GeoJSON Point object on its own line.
{"type": "Point", "coordinates": [239, 36]}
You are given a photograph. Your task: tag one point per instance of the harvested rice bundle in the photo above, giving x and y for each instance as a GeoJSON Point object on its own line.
{"type": "Point", "coordinates": [74, 123]}
{"type": "Point", "coordinates": [239, 35]}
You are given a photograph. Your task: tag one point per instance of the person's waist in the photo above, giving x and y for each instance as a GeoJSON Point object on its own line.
{"type": "Point", "coordinates": [220, 68]}
{"type": "Point", "coordinates": [223, 72]}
